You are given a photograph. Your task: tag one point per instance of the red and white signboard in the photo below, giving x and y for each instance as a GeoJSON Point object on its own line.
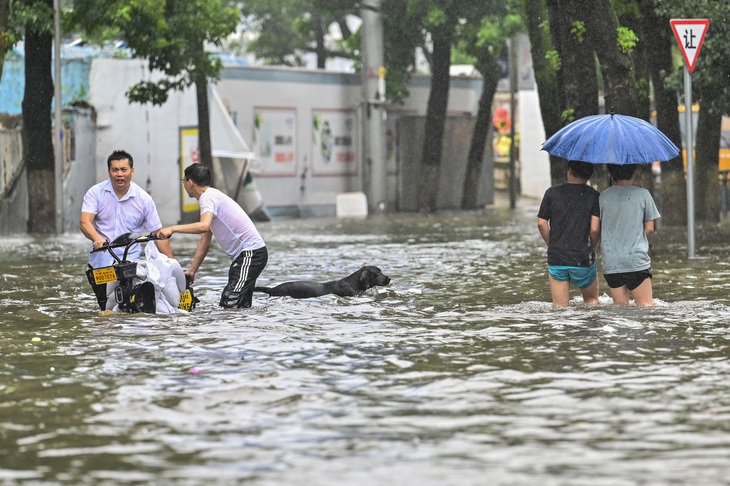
{"type": "Point", "coordinates": [690, 33]}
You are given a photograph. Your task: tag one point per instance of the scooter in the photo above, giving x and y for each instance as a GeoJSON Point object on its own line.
{"type": "Point", "coordinates": [131, 296]}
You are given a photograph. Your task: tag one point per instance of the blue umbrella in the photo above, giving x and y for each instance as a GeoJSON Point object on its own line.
{"type": "Point", "coordinates": [611, 139]}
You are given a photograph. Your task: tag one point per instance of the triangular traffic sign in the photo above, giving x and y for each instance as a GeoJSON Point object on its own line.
{"type": "Point", "coordinates": [690, 33]}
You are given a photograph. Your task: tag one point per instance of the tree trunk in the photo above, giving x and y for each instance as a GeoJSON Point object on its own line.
{"type": "Point", "coordinates": [642, 70]}
{"type": "Point", "coordinates": [4, 44]}
{"type": "Point", "coordinates": [546, 81]}
{"type": "Point", "coordinates": [642, 75]}
{"type": "Point", "coordinates": [490, 78]}
{"type": "Point", "coordinates": [435, 120]}
{"type": "Point", "coordinates": [617, 68]}
{"type": "Point", "coordinates": [659, 41]}
{"type": "Point", "coordinates": [38, 129]}
{"type": "Point", "coordinates": [707, 149]}
{"type": "Point", "coordinates": [204, 140]}
{"type": "Point", "coordinates": [619, 85]}
{"type": "Point", "coordinates": [319, 43]}
{"type": "Point", "coordinates": [577, 79]}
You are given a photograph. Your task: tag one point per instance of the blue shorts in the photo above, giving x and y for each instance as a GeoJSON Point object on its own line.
{"type": "Point", "coordinates": [581, 277]}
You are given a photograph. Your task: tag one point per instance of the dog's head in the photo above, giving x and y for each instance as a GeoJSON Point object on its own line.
{"type": "Point", "coordinates": [371, 276]}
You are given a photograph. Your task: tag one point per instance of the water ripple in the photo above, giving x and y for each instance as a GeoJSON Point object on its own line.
{"type": "Point", "coordinates": [458, 373]}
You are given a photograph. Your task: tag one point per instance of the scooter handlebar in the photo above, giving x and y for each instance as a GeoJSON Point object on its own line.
{"type": "Point", "coordinates": [126, 241]}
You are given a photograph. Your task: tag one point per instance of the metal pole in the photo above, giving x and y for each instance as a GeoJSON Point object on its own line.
{"type": "Point", "coordinates": [58, 135]}
{"type": "Point", "coordinates": [689, 148]}
{"type": "Point", "coordinates": [512, 109]}
{"type": "Point", "coordinates": [373, 84]}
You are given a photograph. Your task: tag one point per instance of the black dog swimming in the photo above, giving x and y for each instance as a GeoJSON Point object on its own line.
{"type": "Point", "coordinates": [365, 278]}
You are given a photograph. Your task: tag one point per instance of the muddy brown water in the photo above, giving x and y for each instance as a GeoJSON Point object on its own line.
{"type": "Point", "coordinates": [458, 373]}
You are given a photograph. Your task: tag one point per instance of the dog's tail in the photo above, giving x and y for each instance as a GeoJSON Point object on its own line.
{"type": "Point", "coordinates": [266, 290]}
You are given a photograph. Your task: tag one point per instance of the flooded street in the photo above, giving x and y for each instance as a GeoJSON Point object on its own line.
{"type": "Point", "coordinates": [459, 372]}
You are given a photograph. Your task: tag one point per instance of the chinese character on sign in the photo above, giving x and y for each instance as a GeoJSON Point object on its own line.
{"type": "Point", "coordinates": [690, 33]}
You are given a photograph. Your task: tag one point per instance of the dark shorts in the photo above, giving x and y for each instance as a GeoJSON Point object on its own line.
{"type": "Point", "coordinates": [242, 276]}
{"type": "Point", "coordinates": [630, 279]}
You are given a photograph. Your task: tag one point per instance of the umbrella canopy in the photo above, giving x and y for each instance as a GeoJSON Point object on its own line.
{"type": "Point", "coordinates": [611, 139]}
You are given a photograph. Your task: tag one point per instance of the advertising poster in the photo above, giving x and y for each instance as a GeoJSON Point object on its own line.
{"type": "Point", "coordinates": [275, 140]}
{"type": "Point", "coordinates": [189, 154]}
{"type": "Point", "coordinates": [334, 142]}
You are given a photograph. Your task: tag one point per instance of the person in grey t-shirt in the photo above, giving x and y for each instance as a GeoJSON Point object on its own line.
{"type": "Point", "coordinates": [627, 220]}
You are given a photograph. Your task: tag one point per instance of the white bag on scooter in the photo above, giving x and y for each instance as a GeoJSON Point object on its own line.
{"type": "Point", "coordinates": [166, 275]}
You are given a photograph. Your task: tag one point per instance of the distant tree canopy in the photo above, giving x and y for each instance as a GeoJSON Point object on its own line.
{"type": "Point", "coordinates": [285, 30]}
{"type": "Point", "coordinates": [603, 46]}
{"type": "Point", "coordinates": [171, 35]}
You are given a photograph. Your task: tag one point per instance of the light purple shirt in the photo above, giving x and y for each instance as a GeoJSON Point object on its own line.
{"type": "Point", "coordinates": [134, 213]}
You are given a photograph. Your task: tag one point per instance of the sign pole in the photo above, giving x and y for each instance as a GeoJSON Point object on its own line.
{"type": "Point", "coordinates": [689, 149]}
{"type": "Point", "coordinates": [58, 119]}
{"type": "Point", "coordinates": [690, 33]}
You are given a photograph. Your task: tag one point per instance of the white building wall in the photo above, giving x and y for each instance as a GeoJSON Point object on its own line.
{"type": "Point", "coordinates": [243, 90]}
{"type": "Point", "coordinates": [535, 174]}
{"type": "Point", "coordinates": [151, 133]}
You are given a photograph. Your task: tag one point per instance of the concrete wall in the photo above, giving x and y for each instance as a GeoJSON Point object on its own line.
{"type": "Point", "coordinates": [535, 173]}
{"type": "Point", "coordinates": [11, 158]}
{"type": "Point", "coordinates": [13, 184]}
{"type": "Point", "coordinates": [455, 153]}
{"type": "Point", "coordinates": [78, 170]}
{"type": "Point", "coordinates": [79, 166]}
{"type": "Point", "coordinates": [306, 93]}
{"type": "Point", "coordinates": [152, 133]}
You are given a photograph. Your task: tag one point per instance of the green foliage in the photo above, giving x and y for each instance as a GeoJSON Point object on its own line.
{"type": "Point", "coordinates": [352, 45]}
{"type": "Point", "coordinates": [11, 26]}
{"type": "Point", "coordinates": [626, 8]}
{"type": "Point", "coordinates": [491, 35]}
{"type": "Point", "coordinates": [643, 91]}
{"type": "Point", "coordinates": [627, 40]}
{"type": "Point", "coordinates": [513, 24]}
{"type": "Point", "coordinates": [169, 34]}
{"type": "Point", "coordinates": [568, 116]}
{"type": "Point", "coordinates": [552, 58]}
{"type": "Point", "coordinates": [578, 31]}
{"type": "Point", "coordinates": [485, 33]}
{"type": "Point", "coordinates": [285, 30]}
{"type": "Point", "coordinates": [436, 17]}
{"type": "Point", "coordinates": [282, 32]}
{"type": "Point", "coordinates": [403, 32]}
{"type": "Point", "coordinates": [37, 16]}
{"type": "Point", "coordinates": [712, 68]}
{"type": "Point", "coordinates": [460, 57]}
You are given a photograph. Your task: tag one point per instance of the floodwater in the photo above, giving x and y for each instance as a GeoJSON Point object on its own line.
{"type": "Point", "coordinates": [458, 373]}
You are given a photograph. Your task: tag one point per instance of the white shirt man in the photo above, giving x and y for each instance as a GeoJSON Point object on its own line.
{"type": "Point", "coordinates": [222, 217]}
{"type": "Point", "coordinates": [115, 207]}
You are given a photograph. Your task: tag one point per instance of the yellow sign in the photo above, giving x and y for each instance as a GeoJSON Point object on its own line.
{"type": "Point", "coordinates": [186, 300]}
{"type": "Point", "coordinates": [104, 275]}
{"type": "Point", "coordinates": [189, 154]}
